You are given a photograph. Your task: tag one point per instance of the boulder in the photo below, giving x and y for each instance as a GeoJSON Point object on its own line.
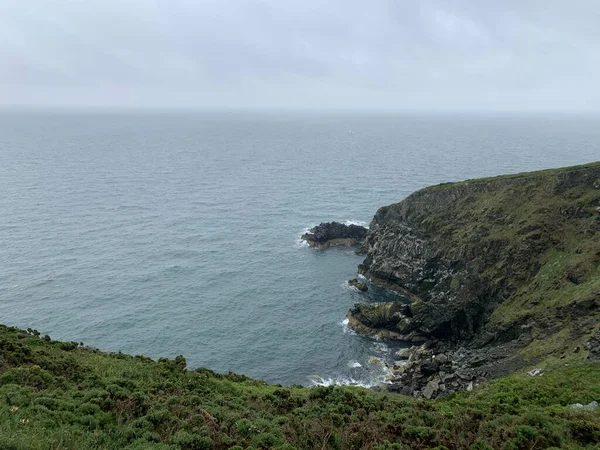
{"type": "Point", "coordinates": [441, 358]}
{"type": "Point", "coordinates": [431, 389]}
{"type": "Point", "coordinates": [429, 368]}
{"type": "Point", "coordinates": [403, 353]}
{"type": "Point", "coordinates": [358, 285]}
{"type": "Point", "coordinates": [387, 320]}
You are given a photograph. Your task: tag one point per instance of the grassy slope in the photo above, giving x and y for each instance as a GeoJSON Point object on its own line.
{"type": "Point", "coordinates": [57, 395]}
{"type": "Point", "coordinates": [541, 234]}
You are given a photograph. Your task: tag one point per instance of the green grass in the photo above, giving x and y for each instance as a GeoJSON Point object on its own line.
{"type": "Point", "coordinates": [526, 246]}
{"type": "Point", "coordinates": [57, 395]}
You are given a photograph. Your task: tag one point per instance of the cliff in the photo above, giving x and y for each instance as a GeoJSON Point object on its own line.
{"type": "Point", "coordinates": [490, 260]}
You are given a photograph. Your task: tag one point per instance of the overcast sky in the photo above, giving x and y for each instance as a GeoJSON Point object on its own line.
{"type": "Point", "coordinates": [394, 54]}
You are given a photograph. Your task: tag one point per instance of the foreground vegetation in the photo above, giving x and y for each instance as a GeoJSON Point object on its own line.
{"type": "Point", "coordinates": [57, 395]}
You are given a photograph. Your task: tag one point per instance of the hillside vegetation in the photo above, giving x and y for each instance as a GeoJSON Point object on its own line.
{"type": "Point", "coordinates": [60, 395]}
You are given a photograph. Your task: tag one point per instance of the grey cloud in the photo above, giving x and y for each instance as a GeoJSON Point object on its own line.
{"type": "Point", "coordinates": [430, 54]}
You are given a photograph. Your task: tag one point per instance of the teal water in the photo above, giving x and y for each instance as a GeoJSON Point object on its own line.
{"type": "Point", "coordinates": [173, 233]}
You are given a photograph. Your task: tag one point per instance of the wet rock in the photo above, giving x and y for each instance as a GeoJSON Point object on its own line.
{"type": "Point", "coordinates": [362, 250]}
{"type": "Point", "coordinates": [403, 353]}
{"type": "Point", "coordinates": [399, 370]}
{"type": "Point", "coordinates": [355, 283]}
{"type": "Point", "coordinates": [386, 320]}
{"type": "Point", "coordinates": [329, 234]}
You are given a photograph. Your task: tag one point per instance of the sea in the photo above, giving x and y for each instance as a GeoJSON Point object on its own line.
{"type": "Point", "coordinates": [170, 233]}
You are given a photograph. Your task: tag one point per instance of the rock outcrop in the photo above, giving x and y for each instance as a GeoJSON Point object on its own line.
{"type": "Point", "coordinates": [386, 320]}
{"type": "Point", "coordinates": [329, 234]}
{"type": "Point", "coordinates": [357, 284]}
{"type": "Point", "coordinates": [485, 262]}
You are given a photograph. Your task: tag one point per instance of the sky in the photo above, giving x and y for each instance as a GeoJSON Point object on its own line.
{"type": "Point", "coordinates": [422, 55]}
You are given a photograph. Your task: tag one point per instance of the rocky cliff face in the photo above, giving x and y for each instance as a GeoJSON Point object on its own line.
{"type": "Point", "coordinates": [483, 259]}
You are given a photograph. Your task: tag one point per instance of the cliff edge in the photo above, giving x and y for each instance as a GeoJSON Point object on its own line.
{"type": "Point", "coordinates": [491, 261]}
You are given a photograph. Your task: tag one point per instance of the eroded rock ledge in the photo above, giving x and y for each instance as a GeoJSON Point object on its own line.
{"type": "Point", "coordinates": [332, 234]}
{"type": "Point", "coordinates": [488, 264]}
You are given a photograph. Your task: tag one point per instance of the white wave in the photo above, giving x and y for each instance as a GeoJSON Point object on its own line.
{"type": "Point", "coordinates": [356, 222]}
{"type": "Point", "coordinates": [317, 380]}
{"type": "Point", "coordinates": [380, 347]}
{"type": "Point", "coordinates": [345, 285]}
{"type": "Point", "coordinates": [376, 375]}
{"type": "Point", "coordinates": [301, 243]}
{"type": "Point", "coordinates": [346, 328]}
{"type": "Point", "coordinates": [354, 364]}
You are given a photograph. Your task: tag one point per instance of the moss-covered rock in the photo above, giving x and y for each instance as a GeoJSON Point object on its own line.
{"type": "Point", "coordinates": [482, 259]}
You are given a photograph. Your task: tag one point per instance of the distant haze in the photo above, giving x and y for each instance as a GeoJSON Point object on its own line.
{"type": "Point", "coordinates": [465, 55]}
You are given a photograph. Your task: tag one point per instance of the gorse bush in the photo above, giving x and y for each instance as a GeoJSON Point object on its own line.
{"type": "Point", "coordinates": [56, 395]}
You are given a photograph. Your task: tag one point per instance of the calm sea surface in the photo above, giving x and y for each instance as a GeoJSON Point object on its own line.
{"type": "Point", "coordinates": [173, 233]}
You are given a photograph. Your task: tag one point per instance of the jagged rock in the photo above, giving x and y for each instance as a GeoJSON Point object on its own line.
{"type": "Point", "coordinates": [456, 251]}
{"type": "Point", "coordinates": [400, 368]}
{"type": "Point", "coordinates": [456, 255]}
{"type": "Point", "coordinates": [429, 368]}
{"type": "Point", "coordinates": [590, 406]}
{"type": "Point", "coordinates": [329, 234]}
{"type": "Point", "coordinates": [431, 389]}
{"type": "Point", "coordinates": [388, 320]}
{"type": "Point", "coordinates": [358, 285]}
{"type": "Point", "coordinates": [403, 353]}
{"type": "Point", "coordinates": [362, 250]}
{"type": "Point", "coordinates": [395, 388]}
{"type": "Point", "coordinates": [407, 390]}
{"type": "Point", "coordinates": [463, 374]}
{"type": "Point", "coordinates": [593, 346]}
{"type": "Point", "coordinates": [441, 358]}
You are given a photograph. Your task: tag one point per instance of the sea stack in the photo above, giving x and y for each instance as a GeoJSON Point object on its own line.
{"type": "Point", "coordinates": [335, 234]}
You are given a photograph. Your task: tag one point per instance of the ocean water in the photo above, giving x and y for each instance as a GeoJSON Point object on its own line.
{"type": "Point", "coordinates": [177, 233]}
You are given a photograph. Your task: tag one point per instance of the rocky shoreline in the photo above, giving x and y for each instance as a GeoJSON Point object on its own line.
{"type": "Point", "coordinates": [486, 269]}
{"type": "Point", "coordinates": [437, 368]}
